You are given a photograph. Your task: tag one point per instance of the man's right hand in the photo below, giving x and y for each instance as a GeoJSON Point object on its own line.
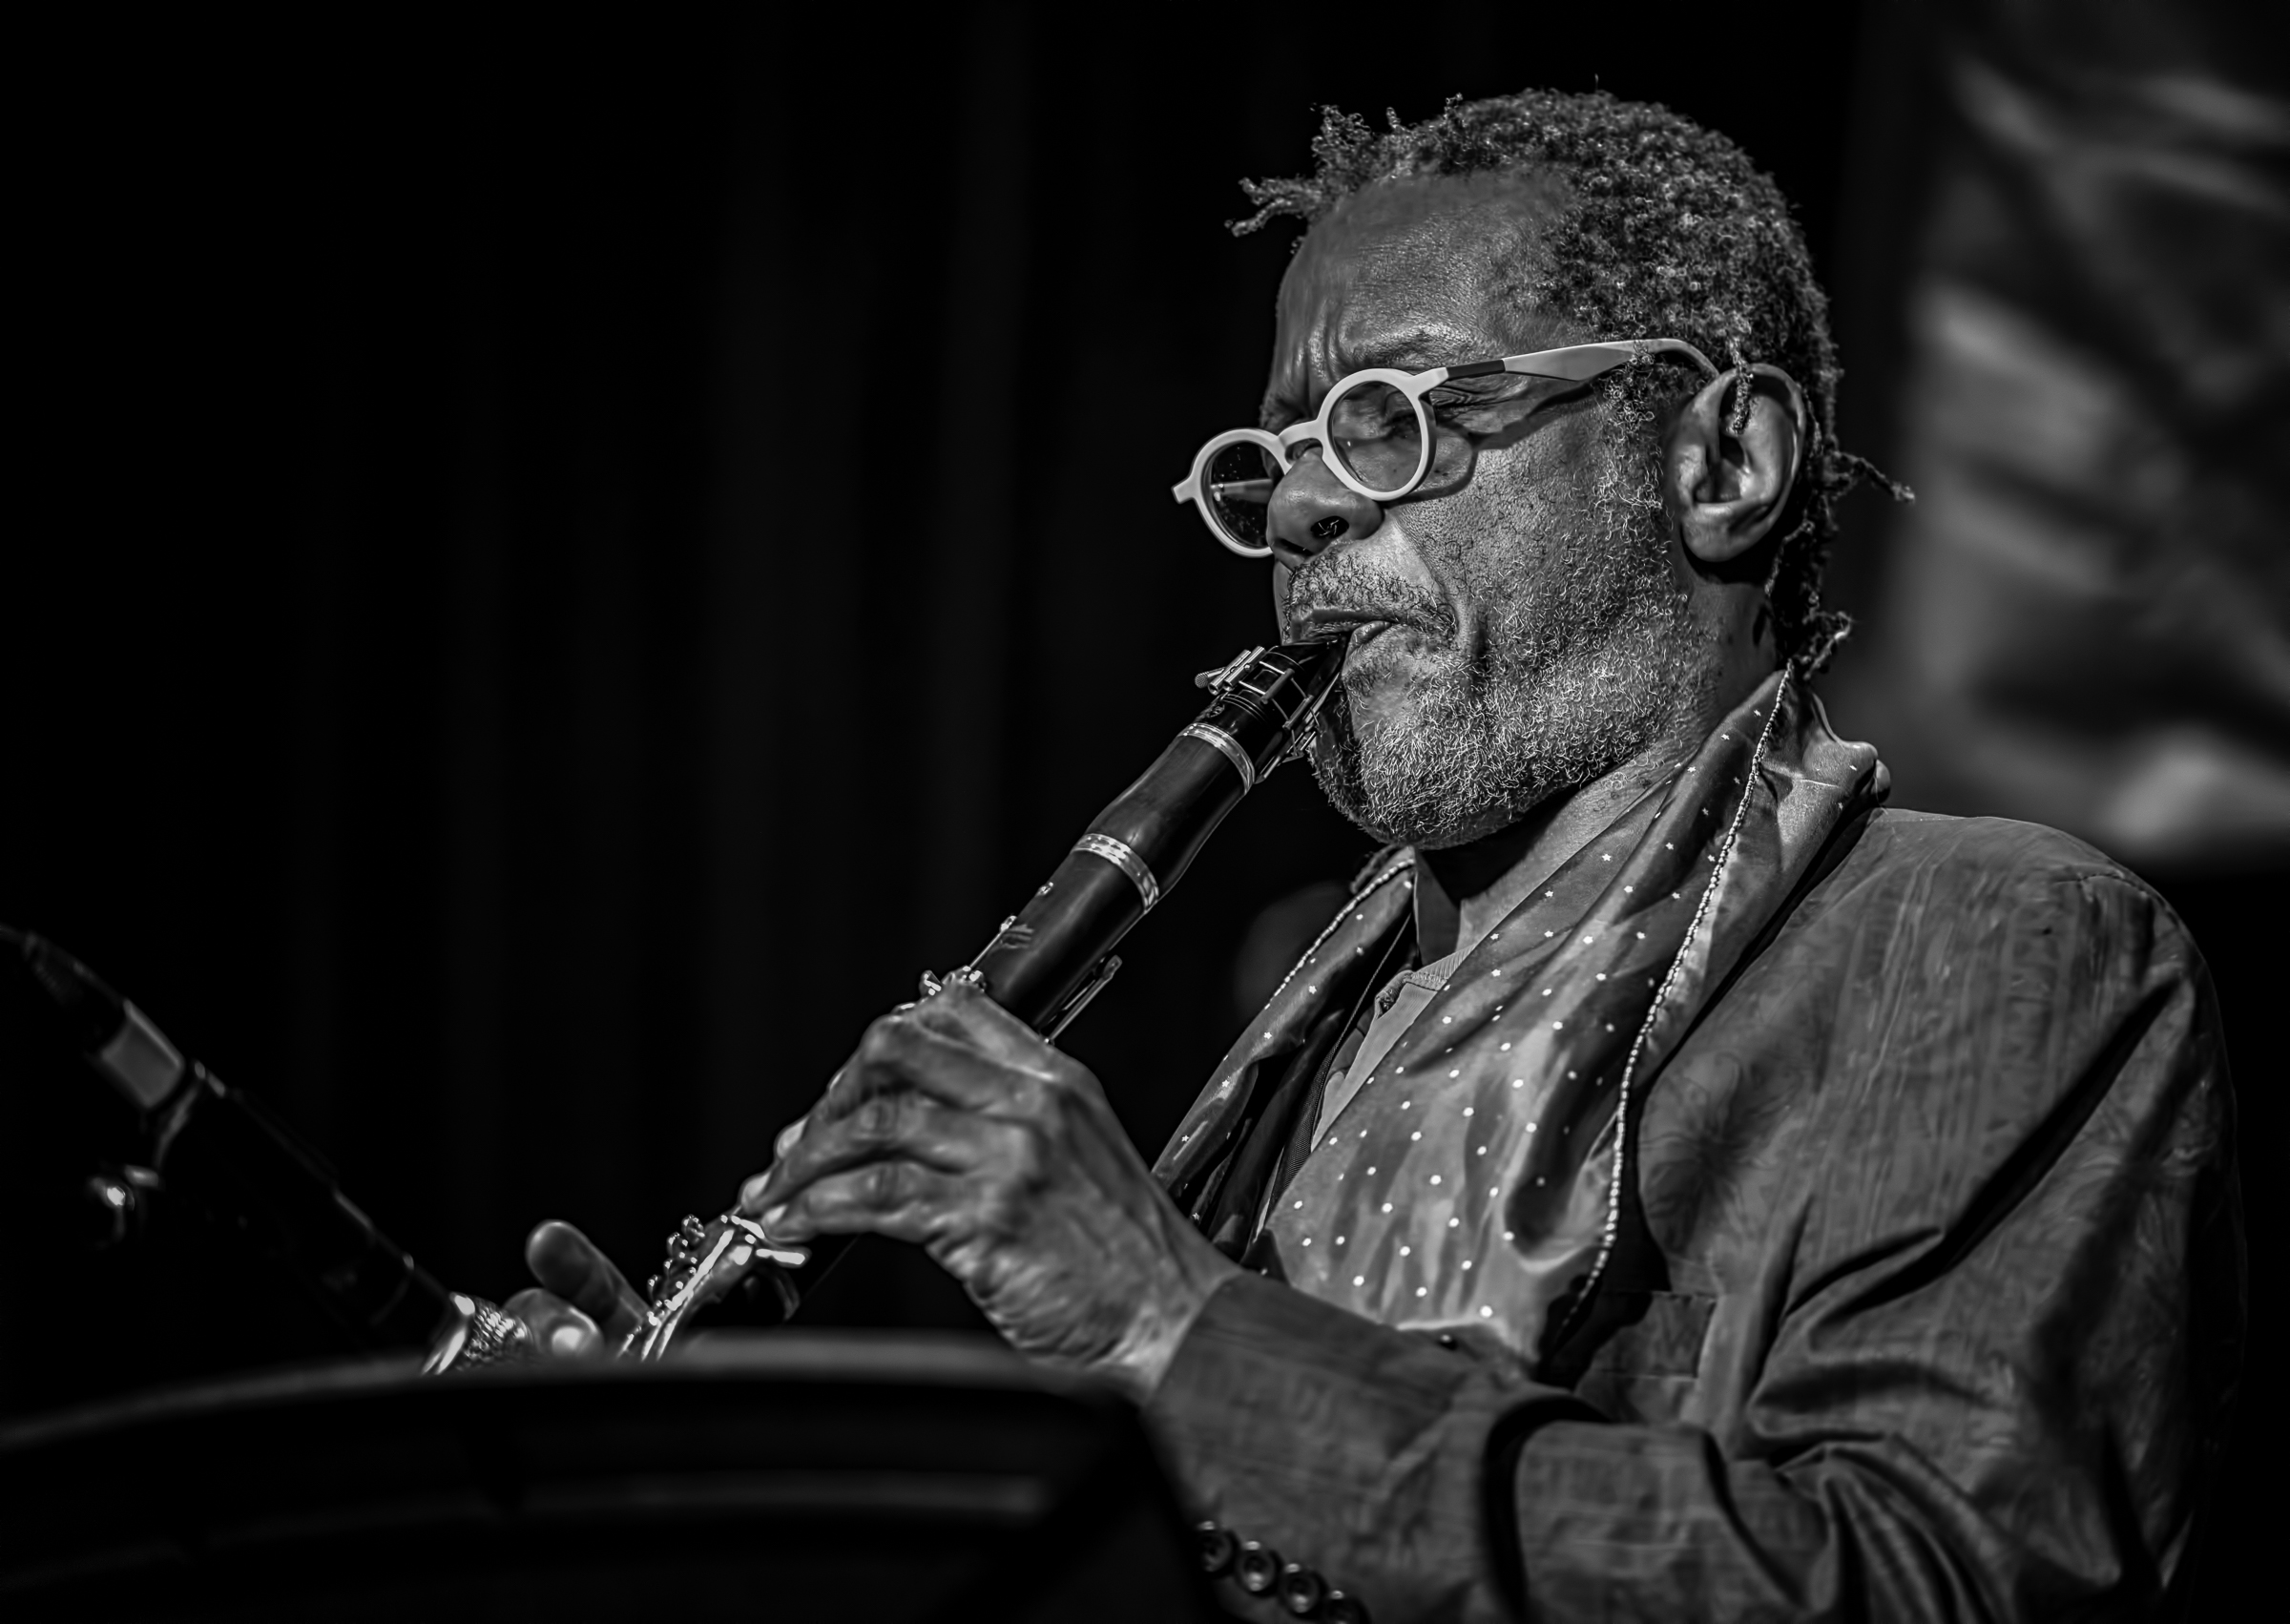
{"type": "Point", "coordinates": [584, 1307]}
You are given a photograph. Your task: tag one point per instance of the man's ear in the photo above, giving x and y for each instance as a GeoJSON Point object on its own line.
{"type": "Point", "coordinates": [1724, 489]}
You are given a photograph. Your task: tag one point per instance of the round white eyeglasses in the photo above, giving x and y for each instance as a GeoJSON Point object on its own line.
{"type": "Point", "coordinates": [1377, 435]}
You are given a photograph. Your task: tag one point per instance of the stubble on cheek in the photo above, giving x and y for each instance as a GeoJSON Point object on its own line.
{"type": "Point", "coordinates": [1570, 655]}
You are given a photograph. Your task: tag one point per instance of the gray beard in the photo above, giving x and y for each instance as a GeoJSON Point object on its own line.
{"type": "Point", "coordinates": [1578, 672]}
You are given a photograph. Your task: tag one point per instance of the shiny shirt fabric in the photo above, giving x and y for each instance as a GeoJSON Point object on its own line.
{"type": "Point", "coordinates": [1917, 1294]}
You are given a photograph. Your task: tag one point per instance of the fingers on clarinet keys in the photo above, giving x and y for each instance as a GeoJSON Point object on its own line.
{"type": "Point", "coordinates": [480, 1335]}
{"type": "Point", "coordinates": [1257, 1569]}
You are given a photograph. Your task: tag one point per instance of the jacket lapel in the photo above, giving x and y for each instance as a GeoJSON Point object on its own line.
{"type": "Point", "coordinates": [1477, 1178]}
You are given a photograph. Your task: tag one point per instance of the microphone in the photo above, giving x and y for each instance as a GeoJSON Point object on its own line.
{"type": "Point", "coordinates": [217, 1147]}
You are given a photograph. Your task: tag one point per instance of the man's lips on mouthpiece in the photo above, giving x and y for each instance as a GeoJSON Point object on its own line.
{"type": "Point", "coordinates": [1323, 619]}
{"type": "Point", "coordinates": [1364, 625]}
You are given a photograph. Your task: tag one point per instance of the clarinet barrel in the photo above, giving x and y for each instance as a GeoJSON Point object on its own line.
{"type": "Point", "coordinates": [1046, 961]}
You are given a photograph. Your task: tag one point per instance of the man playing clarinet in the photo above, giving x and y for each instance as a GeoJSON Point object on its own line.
{"type": "Point", "coordinates": [1677, 1184]}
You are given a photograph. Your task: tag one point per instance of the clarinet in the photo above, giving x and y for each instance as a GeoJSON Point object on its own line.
{"type": "Point", "coordinates": [1046, 961]}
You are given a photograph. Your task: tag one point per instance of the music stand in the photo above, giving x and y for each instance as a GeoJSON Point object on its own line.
{"type": "Point", "coordinates": [785, 1476]}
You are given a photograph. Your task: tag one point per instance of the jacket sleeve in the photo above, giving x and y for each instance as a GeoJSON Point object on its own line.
{"type": "Point", "coordinates": [1991, 1388]}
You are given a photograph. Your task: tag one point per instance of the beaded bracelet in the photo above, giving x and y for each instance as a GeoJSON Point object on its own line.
{"type": "Point", "coordinates": [1258, 1570]}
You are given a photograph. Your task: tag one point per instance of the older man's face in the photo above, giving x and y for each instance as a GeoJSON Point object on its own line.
{"type": "Point", "coordinates": [1530, 629]}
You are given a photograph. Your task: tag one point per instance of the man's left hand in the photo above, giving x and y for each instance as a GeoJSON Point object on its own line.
{"type": "Point", "coordinates": [956, 1127]}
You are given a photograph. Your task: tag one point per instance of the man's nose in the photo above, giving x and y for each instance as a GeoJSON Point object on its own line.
{"type": "Point", "coordinates": [1312, 510]}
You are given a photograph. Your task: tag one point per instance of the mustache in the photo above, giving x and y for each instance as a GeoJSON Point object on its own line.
{"type": "Point", "coordinates": [1346, 582]}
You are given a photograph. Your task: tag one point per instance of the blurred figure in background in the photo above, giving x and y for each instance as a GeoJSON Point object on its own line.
{"type": "Point", "coordinates": [2085, 618]}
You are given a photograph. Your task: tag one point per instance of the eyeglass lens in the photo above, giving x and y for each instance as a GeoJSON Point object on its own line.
{"type": "Point", "coordinates": [1238, 485]}
{"type": "Point", "coordinates": [1378, 433]}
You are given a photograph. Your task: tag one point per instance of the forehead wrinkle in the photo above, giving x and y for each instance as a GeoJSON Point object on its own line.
{"type": "Point", "coordinates": [1410, 349]}
{"type": "Point", "coordinates": [1411, 277]}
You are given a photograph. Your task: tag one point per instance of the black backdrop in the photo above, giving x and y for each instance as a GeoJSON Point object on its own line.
{"type": "Point", "coordinates": [570, 565]}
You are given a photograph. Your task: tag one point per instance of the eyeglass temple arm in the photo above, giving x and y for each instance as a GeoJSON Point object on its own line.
{"type": "Point", "coordinates": [1580, 363]}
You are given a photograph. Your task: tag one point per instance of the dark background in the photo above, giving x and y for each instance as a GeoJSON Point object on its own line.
{"type": "Point", "coordinates": [571, 566]}
{"type": "Point", "coordinates": [555, 568]}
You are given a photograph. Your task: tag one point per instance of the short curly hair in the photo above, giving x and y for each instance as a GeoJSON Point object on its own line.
{"type": "Point", "coordinates": [1668, 231]}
